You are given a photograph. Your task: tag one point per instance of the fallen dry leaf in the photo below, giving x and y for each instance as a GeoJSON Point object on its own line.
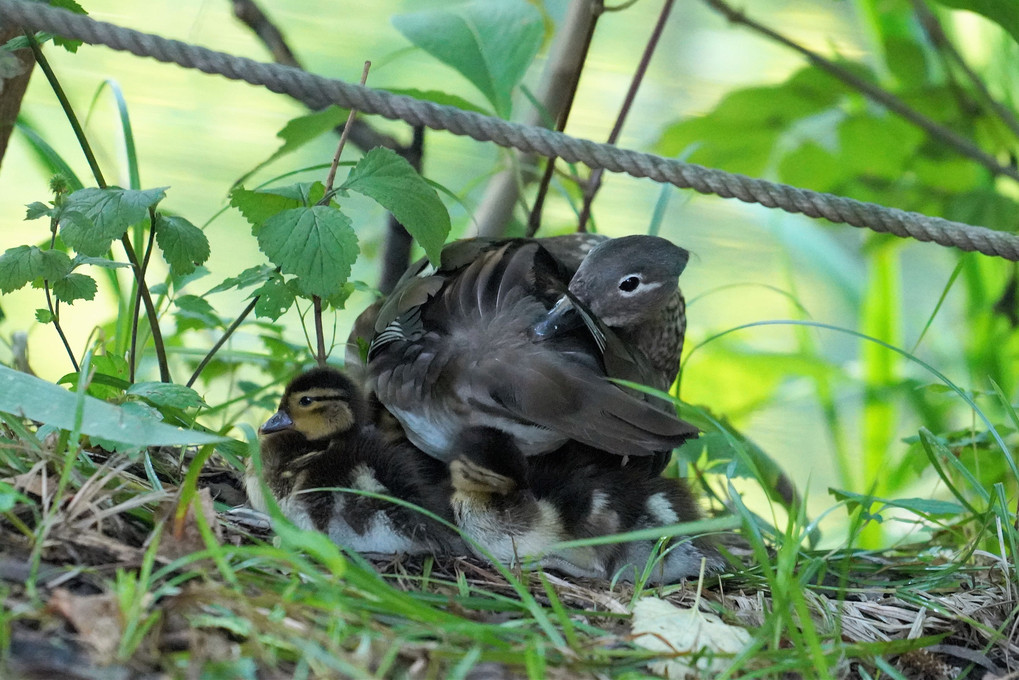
{"type": "Point", "coordinates": [95, 617]}
{"type": "Point", "coordinates": [697, 643]}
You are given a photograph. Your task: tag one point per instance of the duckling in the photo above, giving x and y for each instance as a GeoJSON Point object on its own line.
{"type": "Point", "coordinates": [518, 508]}
{"type": "Point", "coordinates": [455, 349]}
{"type": "Point", "coordinates": [319, 439]}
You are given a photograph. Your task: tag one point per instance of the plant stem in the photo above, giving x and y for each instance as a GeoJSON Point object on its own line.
{"type": "Point", "coordinates": [936, 34]}
{"type": "Point", "coordinates": [534, 218]}
{"type": "Point", "coordinates": [594, 183]}
{"type": "Point", "coordinates": [150, 310]}
{"type": "Point", "coordinates": [65, 104]}
{"type": "Point", "coordinates": [56, 325]}
{"type": "Point", "coordinates": [219, 343]}
{"type": "Point", "coordinates": [343, 140]}
{"type": "Point", "coordinates": [320, 356]}
{"type": "Point", "coordinates": [132, 364]}
{"type": "Point", "coordinates": [949, 137]}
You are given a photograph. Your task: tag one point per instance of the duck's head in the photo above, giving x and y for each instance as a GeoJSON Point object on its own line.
{"type": "Point", "coordinates": [623, 281]}
{"type": "Point", "coordinates": [319, 404]}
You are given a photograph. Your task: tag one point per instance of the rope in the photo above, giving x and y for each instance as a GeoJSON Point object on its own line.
{"type": "Point", "coordinates": [316, 90]}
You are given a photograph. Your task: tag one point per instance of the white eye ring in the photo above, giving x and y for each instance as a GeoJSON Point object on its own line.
{"type": "Point", "coordinates": [630, 283]}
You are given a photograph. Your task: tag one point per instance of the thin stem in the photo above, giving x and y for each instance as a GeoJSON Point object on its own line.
{"type": "Point", "coordinates": [219, 343]}
{"type": "Point", "coordinates": [534, 218]}
{"type": "Point", "coordinates": [65, 104]}
{"type": "Point", "coordinates": [343, 139]}
{"type": "Point", "coordinates": [594, 183]}
{"type": "Point", "coordinates": [936, 34]}
{"type": "Point", "coordinates": [947, 136]}
{"type": "Point", "coordinates": [133, 363]}
{"type": "Point", "coordinates": [320, 340]}
{"type": "Point", "coordinates": [150, 310]}
{"type": "Point", "coordinates": [56, 324]}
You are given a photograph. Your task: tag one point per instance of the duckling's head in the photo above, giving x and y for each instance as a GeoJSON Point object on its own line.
{"type": "Point", "coordinates": [319, 404]}
{"type": "Point", "coordinates": [626, 280]}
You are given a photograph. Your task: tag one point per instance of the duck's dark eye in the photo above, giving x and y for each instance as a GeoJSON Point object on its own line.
{"type": "Point", "coordinates": [306, 401]}
{"type": "Point", "coordinates": [629, 284]}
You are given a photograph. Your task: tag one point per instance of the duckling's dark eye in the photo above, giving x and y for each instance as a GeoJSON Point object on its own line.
{"type": "Point", "coordinates": [306, 401]}
{"type": "Point", "coordinates": [629, 284]}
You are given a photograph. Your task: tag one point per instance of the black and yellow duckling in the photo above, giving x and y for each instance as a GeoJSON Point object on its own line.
{"type": "Point", "coordinates": [319, 439]}
{"type": "Point", "coordinates": [457, 348]}
{"type": "Point", "coordinates": [517, 508]}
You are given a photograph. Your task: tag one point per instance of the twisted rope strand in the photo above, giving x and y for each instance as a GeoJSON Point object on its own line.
{"type": "Point", "coordinates": [316, 91]}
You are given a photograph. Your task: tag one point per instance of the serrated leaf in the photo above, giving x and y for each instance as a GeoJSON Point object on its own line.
{"type": "Point", "coordinates": [196, 313]}
{"type": "Point", "coordinates": [75, 287]}
{"type": "Point", "coordinates": [391, 181]}
{"type": "Point", "coordinates": [43, 316]}
{"type": "Point", "coordinates": [167, 394]}
{"type": "Point", "coordinates": [1005, 13]}
{"type": "Point", "coordinates": [274, 299]}
{"type": "Point", "coordinates": [316, 244]}
{"type": "Point", "coordinates": [183, 244]}
{"type": "Point", "coordinates": [29, 397]}
{"type": "Point", "coordinates": [36, 210]}
{"type": "Point", "coordinates": [91, 219]}
{"type": "Point", "coordinates": [490, 43]}
{"type": "Point", "coordinates": [259, 206]}
{"type": "Point", "coordinates": [69, 44]}
{"type": "Point", "coordinates": [22, 264]}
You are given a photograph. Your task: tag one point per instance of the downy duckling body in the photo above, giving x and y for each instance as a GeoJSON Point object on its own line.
{"type": "Point", "coordinates": [318, 440]}
{"type": "Point", "coordinates": [518, 508]}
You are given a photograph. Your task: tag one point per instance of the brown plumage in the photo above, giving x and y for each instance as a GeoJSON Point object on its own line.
{"type": "Point", "coordinates": [519, 508]}
{"type": "Point", "coordinates": [459, 348]}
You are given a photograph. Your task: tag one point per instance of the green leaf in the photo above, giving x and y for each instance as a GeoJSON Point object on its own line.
{"type": "Point", "coordinates": [274, 299]}
{"type": "Point", "coordinates": [390, 180]}
{"type": "Point", "coordinates": [259, 206]}
{"type": "Point", "coordinates": [91, 219]}
{"type": "Point", "coordinates": [194, 312]}
{"type": "Point", "coordinates": [79, 260]}
{"type": "Point", "coordinates": [9, 497]}
{"type": "Point", "coordinates": [1005, 13]}
{"type": "Point", "coordinates": [740, 134]}
{"type": "Point", "coordinates": [68, 44]}
{"type": "Point", "coordinates": [249, 277]}
{"type": "Point", "coordinates": [75, 287]}
{"type": "Point", "coordinates": [43, 316]}
{"type": "Point", "coordinates": [183, 244]}
{"type": "Point", "coordinates": [926, 507]}
{"type": "Point", "coordinates": [167, 394]}
{"type": "Point", "coordinates": [23, 264]}
{"type": "Point", "coordinates": [29, 397]}
{"type": "Point", "coordinates": [37, 210]}
{"type": "Point", "coordinates": [489, 43]}
{"type": "Point", "coordinates": [316, 244]}
{"type": "Point", "coordinates": [438, 97]}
